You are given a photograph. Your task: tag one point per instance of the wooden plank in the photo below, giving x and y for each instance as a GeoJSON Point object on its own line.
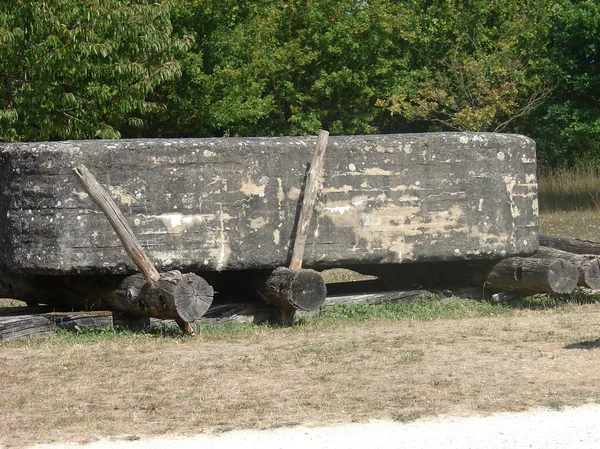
{"type": "Point", "coordinates": [230, 203]}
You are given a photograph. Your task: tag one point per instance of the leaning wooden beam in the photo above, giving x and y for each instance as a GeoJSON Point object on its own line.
{"type": "Point", "coordinates": [588, 265]}
{"type": "Point", "coordinates": [292, 289]}
{"type": "Point", "coordinates": [182, 297]}
{"type": "Point", "coordinates": [533, 274]}
{"type": "Point", "coordinates": [575, 246]}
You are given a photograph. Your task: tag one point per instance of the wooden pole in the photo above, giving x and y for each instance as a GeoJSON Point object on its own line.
{"type": "Point", "coordinates": [114, 215]}
{"type": "Point", "coordinates": [291, 288]}
{"type": "Point", "coordinates": [310, 196]}
{"type": "Point", "coordinates": [182, 297]}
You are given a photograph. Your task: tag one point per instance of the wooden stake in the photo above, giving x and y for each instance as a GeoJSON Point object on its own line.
{"type": "Point", "coordinates": [114, 215]}
{"type": "Point", "coordinates": [310, 196]}
{"type": "Point", "coordinates": [184, 298]}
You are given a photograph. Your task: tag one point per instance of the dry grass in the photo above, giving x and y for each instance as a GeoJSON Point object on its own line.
{"type": "Point", "coordinates": [584, 224]}
{"type": "Point", "coordinates": [57, 389]}
{"type": "Point", "coordinates": [569, 189]}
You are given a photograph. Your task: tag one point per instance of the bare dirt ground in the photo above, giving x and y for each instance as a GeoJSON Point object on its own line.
{"type": "Point", "coordinates": [137, 386]}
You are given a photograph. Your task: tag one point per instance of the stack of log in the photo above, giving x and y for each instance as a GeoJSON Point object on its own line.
{"type": "Point", "coordinates": [559, 266]}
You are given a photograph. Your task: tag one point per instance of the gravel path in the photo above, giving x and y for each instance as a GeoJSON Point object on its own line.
{"type": "Point", "coordinates": [572, 428]}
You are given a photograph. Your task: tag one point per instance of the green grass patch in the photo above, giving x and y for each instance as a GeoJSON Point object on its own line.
{"type": "Point", "coordinates": [422, 310]}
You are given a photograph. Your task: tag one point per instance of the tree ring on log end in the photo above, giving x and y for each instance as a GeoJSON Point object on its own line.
{"type": "Point", "coordinates": [175, 296]}
{"type": "Point", "coordinates": [563, 276]}
{"type": "Point", "coordinates": [294, 289]}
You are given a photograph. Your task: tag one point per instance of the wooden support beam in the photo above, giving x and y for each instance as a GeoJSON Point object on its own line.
{"type": "Point", "coordinates": [292, 288]}
{"type": "Point", "coordinates": [182, 297]}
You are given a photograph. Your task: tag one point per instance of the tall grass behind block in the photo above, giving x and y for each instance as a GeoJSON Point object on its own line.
{"type": "Point", "coordinates": [569, 188]}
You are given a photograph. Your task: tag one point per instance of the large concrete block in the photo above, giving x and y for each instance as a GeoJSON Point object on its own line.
{"type": "Point", "coordinates": [231, 203]}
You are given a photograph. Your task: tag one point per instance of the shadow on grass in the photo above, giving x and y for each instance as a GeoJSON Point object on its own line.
{"type": "Point", "coordinates": [588, 344]}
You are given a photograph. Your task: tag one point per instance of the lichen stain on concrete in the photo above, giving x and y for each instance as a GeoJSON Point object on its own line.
{"type": "Point", "coordinates": [510, 183]}
{"type": "Point", "coordinates": [294, 194]}
{"type": "Point", "coordinates": [280, 200]}
{"type": "Point", "coordinates": [276, 237]}
{"type": "Point", "coordinates": [249, 188]}
{"type": "Point", "coordinates": [257, 223]}
{"type": "Point", "coordinates": [121, 195]}
{"type": "Point", "coordinates": [224, 250]}
{"type": "Point", "coordinates": [343, 189]}
{"type": "Point", "coordinates": [377, 172]}
{"type": "Point", "coordinates": [84, 196]}
{"type": "Point", "coordinates": [400, 188]}
{"type": "Point", "coordinates": [531, 179]}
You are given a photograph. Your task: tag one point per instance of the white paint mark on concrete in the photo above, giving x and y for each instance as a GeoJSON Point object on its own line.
{"type": "Point", "coordinates": [339, 209]}
{"type": "Point", "coordinates": [377, 172]}
{"type": "Point", "coordinates": [251, 189]}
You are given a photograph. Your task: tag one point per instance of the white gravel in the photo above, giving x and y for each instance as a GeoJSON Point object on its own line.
{"type": "Point", "coordinates": [571, 428]}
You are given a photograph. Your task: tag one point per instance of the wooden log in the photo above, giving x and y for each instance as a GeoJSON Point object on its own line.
{"type": "Point", "coordinates": [575, 246]}
{"type": "Point", "coordinates": [175, 296]}
{"type": "Point", "coordinates": [292, 289]}
{"type": "Point", "coordinates": [533, 274]}
{"type": "Point", "coordinates": [588, 265]}
{"type": "Point", "coordinates": [183, 298]}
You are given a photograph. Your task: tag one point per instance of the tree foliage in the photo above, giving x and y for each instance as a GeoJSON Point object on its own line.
{"type": "Point", "coordinates": [476, 64]}
{"type": "Point", "coordinates": [92, 68]}
{"type": "Point", "coordinates": [567, 128]}
{"type": "Point", "coordinates": [82, 68]}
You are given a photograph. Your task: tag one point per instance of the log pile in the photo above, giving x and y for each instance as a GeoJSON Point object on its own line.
{"type": "Point", "coordinates": [560, 265]}
{"type": "Point", "coordinates": [549, 270]}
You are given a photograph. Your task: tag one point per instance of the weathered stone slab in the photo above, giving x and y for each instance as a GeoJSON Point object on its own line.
{"type": "Point", "coordinates": [231, 203]}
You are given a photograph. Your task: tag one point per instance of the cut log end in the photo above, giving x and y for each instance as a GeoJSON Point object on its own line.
{"type": "Point", "coordinates": [563, 276]}
{"type": "Point", "coordinates": [291, 289]}
{"type": "Point", "coordinates": [592, 275]}
{"type": "Point", "coordinates": [533, 274]}
{"type": "Point", "coordinates": [176, 296]}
